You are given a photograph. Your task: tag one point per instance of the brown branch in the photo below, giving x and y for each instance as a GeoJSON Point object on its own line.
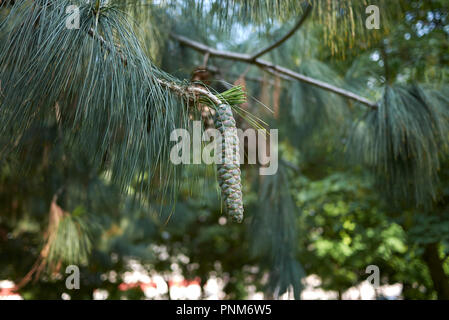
{"type": "Point", "coordinates": [298, 25]}
{"type": "Point", "coordinates": [265, 65]}
{"type": "Point", "coordinates": [270, 67]}
{"type": "Point", "coordinates": [55, 215]}
{"type": "Point", "coordinates": [189, 92]}
{"type": "Point", "coordinates": [205, 60]}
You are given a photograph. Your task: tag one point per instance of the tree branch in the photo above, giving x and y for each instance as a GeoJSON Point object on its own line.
{"type": "Point", "coordinates": [306, 13]}
{"type": "Point", "coordinates": [189, 91]}
{"type": "Point", "coordinates": [268, 66]}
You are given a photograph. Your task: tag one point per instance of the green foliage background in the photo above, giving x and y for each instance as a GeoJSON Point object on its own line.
{"type": "Point", "coordinates": [355, 187]}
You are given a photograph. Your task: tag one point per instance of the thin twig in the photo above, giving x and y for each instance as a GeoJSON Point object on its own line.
{"type": "Point", "coordinates": [189, 91]}
{"type": "Point", "coordinates": [205, 60]}
{"type": "Point", "coordinates": [55, 214]}
{"type": "Point", "coordinates": [298, 25]}
{"type": "Point", "coordinates": [268, 66]}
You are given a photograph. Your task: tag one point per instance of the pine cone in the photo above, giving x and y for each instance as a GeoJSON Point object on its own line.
{"type": "Point", "coordinates": [229, 163]}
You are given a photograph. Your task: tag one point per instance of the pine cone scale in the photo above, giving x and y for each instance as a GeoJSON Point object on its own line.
{"type": "Point", "coordinates": [228, 171]}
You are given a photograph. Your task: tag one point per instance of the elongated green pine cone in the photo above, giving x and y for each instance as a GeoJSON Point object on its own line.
{"type": "Point", "coordinates": [228, 166]}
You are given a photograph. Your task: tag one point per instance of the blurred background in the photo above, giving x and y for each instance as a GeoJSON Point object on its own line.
{"type": "Point", "coordinates": [352, 189]}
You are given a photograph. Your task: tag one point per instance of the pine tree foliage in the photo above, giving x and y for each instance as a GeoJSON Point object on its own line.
{"type": "Point", "coordinates": [95, 95]}
{"type": "Point", "coordinates": [69, 242]}
{"type": "Point", "coordinates": [115, 108]}
{"type": "Point", "coordinates": [344, 22]}
{"type": "Point", "coordinates": [149, 22]}
{"type": "Point", "coordinates": [312, 109]}
{"type": "Point", "coordinates": [229, 11]}
{"type": "Point", "coordinates": [403, 141]}
{"type": "Point", "coordinates": [273, 235]}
